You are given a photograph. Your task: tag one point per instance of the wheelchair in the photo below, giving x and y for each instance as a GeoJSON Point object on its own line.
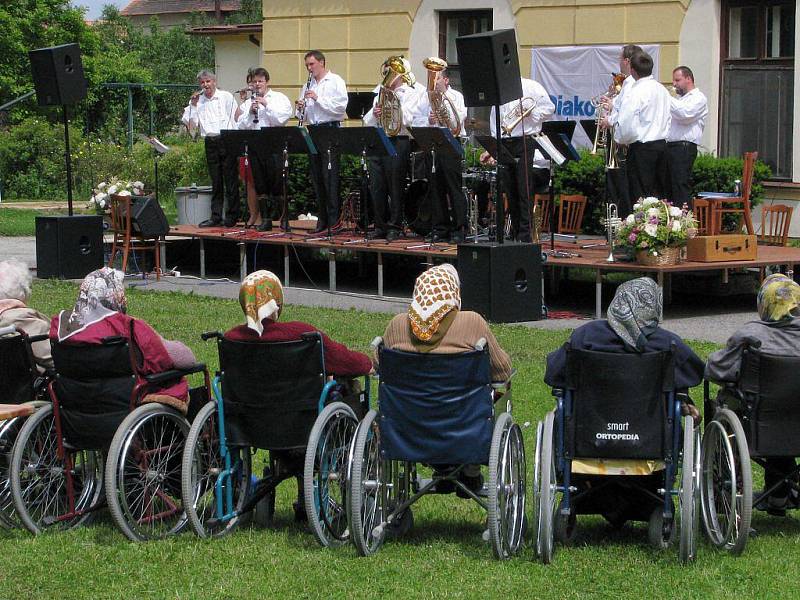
{"type": "Point", "coordinates": [21, 391]}
{"type": "Point", "coordinates": [101, 433]}
{"type": "Point", "coordinates": [602, 438]}
{"type": "Point", "coordinates": [437, 410]}
{"type": "Point", "coordinates": [275, 397]}
{"type": "Point", "coordinates": [763, 423]}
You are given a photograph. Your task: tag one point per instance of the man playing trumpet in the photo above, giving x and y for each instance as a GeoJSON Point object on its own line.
{"type": "Point", "coordinates": [520, 120]}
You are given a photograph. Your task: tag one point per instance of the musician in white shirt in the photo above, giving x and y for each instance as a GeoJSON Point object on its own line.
{"type": "Point", "coordinates": [387, 174]}
{"type": "Point", "coordinates": [521, 181]}
{"type": "Point", "coordinates": [212, 110]}
{"type": "Point", "coordinates": [643, 124]}
{"type": "Point", "coordinates": [689, 111]}
{"type": "Point", "coordinates": [265, 108]}
{"type": "Point", "coordinates": [323, 102]}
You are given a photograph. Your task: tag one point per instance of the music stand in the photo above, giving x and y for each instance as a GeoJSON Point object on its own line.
{"type": "Point", "coordinates": [159, 148]}
{"type": "Point", "coordinates": [504, 160]}
{"type": "Point", "coordinates": [359, 104]}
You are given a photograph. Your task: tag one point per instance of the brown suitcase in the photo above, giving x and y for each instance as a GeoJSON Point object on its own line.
{"type": "Point", "coordinates": [721, 248]}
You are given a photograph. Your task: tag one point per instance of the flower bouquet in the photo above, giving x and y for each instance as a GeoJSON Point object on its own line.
{"type": "Point", "coordinates": [101, 195]}
{"type": "Point", "coordinates": [657, 231]}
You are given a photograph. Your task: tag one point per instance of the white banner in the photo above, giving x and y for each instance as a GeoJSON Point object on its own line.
{"type": "Point", "coordinates": [572, 75]}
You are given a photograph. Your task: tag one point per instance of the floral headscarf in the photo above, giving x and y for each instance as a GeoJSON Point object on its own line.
{"type": "Point", "coordinates": [436, 292]}
{"type": "Point", "coordinates": [635, 311]}
{"type": "Point", "coordinates": [102, 293]}
{"type": "Point", "coordinates": [261, 297]}
{"type": "Point", "coordinates": [778, 299]}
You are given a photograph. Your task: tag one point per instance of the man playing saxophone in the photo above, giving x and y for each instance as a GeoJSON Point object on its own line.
{"type": "Point", "coordinates": [445, 107]}
{"type": "Point", "coordinates": [520, 120]}
{"type": "Point", "coordinates": [393, 109]}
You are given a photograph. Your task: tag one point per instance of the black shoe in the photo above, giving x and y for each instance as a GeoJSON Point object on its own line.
{"type": "Point", "coordinates": [436, 237]}
{"type": "Point", "coordinates": [210, 223]}
{"type": "Point", "coordinates": [457, 237]}
{"type": "Point", "coordinates": [265, 225]}
{"type": "Point", "coordinates": [230, 222]}
{"type": "Point", "coordinates": [473, 482]}
{"type": "Point", "coordinates": [392, 235]}
{"type": "Point", "coordinates": [377, 234]}
{"type": "Point", "coordinates": [300, 515]}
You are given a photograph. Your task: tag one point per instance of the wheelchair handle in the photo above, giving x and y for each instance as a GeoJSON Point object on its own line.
{"type": "Point", "coordinates": [376, 341]}
{"type": "Point", "coordinates": [8, 329]}
{"type": "Point", "coordinates": [37, 338]}
{"type": "Point", "coordinates": [480, 344]}
{"type": "Point", "coordinates": [207, 335]}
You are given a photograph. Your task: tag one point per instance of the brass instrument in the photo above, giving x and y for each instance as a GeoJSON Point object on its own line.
{"type": "Point", "coordinates": [301, 112]}
{"type": "Point", "coordinates": [604, 138]}
{"type": "Point", "coordinates": [391, 117]}
{"type": "Point", "coordinates": [612, 224]}
{"type": "Point", "coordinates": [443, 109]}
{"type": "Point", "coordinates": [515, 116]}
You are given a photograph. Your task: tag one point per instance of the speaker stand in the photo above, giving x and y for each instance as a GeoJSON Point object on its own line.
{"type": "Point", "coordinates": [67, 158]}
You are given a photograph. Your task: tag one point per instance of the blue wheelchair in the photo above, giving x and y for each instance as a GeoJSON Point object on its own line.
{"type": "Point", "coordinates": [613, 437]}
{"type": "Point", "coordinates": [276, 397]}
{"type": "Point", "coordinates": [437, 410]}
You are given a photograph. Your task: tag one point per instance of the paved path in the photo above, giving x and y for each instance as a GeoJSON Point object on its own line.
{"type": "Point", "coordinates": [705, 319]}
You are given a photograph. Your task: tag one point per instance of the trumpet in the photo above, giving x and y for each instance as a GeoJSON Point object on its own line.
{"type": "Point", "coordinates": [612, 223]}
{"type": "Point", "coordinates": [302, 110]}
{"type": "Point", "coordinates": [442, 107]}
{"type": "Point", "coordinates": [517, 114]}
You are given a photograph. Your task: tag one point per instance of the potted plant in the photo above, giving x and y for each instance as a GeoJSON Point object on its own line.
{"type": "Point", "coordinates": [656, 231]}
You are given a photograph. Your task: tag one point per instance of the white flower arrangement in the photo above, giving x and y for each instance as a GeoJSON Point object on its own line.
{"type": "Point", "coordinates": [101, 195]}
{"type": "Point", "coordinates": [656, 224]}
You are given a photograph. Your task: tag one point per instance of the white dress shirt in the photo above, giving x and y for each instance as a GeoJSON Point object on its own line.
{"type": "Point", "coordinates": [277, 111]}
{"type": "Point", "coordinates": [532, 124]}
{"type": "Point", "coordinates": [211, 114]}
{"type": "Point", "coordinates": [456, 97]}
{"type": "Point", "coordinates": [409, 107]}
{"type": "Point", "coordinates": [645, 114]}
{"type": "Point", "coordinates": [331, 102]}
{"type": "Point", "coordinates": [688, 117]}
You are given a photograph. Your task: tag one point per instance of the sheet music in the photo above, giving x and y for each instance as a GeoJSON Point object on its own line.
{"type": "Point", "coordinates": [551, 150]}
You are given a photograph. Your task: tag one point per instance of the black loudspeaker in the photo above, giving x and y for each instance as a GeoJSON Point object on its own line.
{"type": "Point", "coordinates": [489, 67]}
{"type": "Point", "coordinates": [502, 282]}
{"type": "Point", "coordinates": [68, 247]}
{"type": "Point", "coordinates": [58, 75]}
{"type": "Point", "coordinates": [148, 217]}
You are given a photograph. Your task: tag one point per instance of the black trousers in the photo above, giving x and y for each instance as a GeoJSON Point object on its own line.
{"type": "Point", "coordinates": [224, 172]}
{"type": "Point", "coordinates": [324, 169]}
{"type": "Point", "coordinates": [680, 159]}
{"type": "Point", "coordinates": [520, 182]}
{"type": "Point", "coordinates": [647, 169]}
{"type": "Point", "coordinates": [386, 179]}
{"type": "Point", "coordinates": [617, 188]}
{"type": "Point", "coordinates": [267, 173]}
{"type": "Point", "coordinates": [446, 184]}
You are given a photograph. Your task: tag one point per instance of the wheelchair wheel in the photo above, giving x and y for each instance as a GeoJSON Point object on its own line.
{"type": "Point", "coordinates": [202, 463]}
{"type": "Point", "coordinates": [690, 492]}
{"type": "Point", "coordinates": [548, 506]}
{"type": "Point", "coordinates": [9, 429]}
{"type": "Point", "coordinates": [506, 500]}
{"type": "Point", "coordinates": [537, 471]}
{"type": "Point", "coordinates": [143, 478]}
{"type": "Point", "coordinates": [325, 474]}
{"type": "Point", "coordinates": [726, 488]}
{"type": "Point", "coordinates": [655, 530]}
{"type": "Point", "coordinates": [368, 488]}
{"type": "Point", "coordinates": [39, 478]}
{"type": "Point", "coordinates": [566, 528]}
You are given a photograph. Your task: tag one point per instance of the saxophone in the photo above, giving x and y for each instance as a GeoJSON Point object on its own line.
{"type": "Point", "coordinates": [391, 118]}
{"type": "Point", "coordinates": [443, 109]}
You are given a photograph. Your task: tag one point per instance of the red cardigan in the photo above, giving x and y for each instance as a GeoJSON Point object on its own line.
{"type": "Point", "coordinates": [339, 360]}
{"type": "Point", "coordinates": [154, 354]}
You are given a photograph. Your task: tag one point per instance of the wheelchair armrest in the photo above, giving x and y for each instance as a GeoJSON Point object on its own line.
{"type": "Point", "coordinates": [8, 329]}
{"type": "Point", "coordinates": [207, 335]}
{"type": "Point", "coordinates": [504, 385]}
{"type": "Point", "coordinates": [557, 392]}
{"type": "Point", "coordinates": [172, 374]}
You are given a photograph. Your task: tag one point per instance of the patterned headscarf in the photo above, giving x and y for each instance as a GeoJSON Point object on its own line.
{"type": "Point", "coordinates": [778, 299]}
{"type": "Point", "coordinates": [102, 293]}
{"type": "Point", "coordinates": [436, 292]}
{"type": "Point", "coordinates": [261, 297]}
{"type": "Point", "coordinates": [635, 311]}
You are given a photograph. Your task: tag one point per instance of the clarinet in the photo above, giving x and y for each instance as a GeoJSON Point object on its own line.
{"type": "Point", "coordinates": [302, 111]}
{"type": "Point", "coordinates": [252, 103]}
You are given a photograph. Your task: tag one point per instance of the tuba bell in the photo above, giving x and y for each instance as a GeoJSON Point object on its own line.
{"type": "Point", "coordinates": [391, 118]}
{"type": "Point", "coordinates": [443, 109]}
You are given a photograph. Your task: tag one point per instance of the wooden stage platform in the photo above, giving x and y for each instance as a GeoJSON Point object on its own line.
{"type": "Point", "coordinates": [567, 254]}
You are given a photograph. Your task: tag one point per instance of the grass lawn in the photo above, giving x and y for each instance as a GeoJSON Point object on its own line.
{"type": "Point", "coordinates": [442, 557]}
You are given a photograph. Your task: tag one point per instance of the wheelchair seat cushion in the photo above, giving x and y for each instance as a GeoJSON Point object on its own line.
{"type": "Point", "coordinates": [616, 466]}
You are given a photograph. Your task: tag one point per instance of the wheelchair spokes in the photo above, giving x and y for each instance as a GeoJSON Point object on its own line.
{"type": "Point", "coordinates": [9, 429]}
{"type": "Point", "coordinates": [506, 502]}
{"type": "Point", "coordinates": [368, 488]}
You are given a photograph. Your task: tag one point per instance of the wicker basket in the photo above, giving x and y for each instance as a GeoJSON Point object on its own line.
{"type": "Point", "coordinates": [665, 256]}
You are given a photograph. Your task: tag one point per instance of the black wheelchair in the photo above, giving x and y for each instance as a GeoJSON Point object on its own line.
{"type": "Point", "coordinates": [757, 419]}
{"type": "Point", "coordinates": [276, 397]}
{"type": "Point", "coordinates": [438, 410]}
{"type": "Point", "coordinates": [22, 390]}
{"type": "Point", "coordinates": [617, 429]}
{"type": "Point", "coordinates": [101, 431]}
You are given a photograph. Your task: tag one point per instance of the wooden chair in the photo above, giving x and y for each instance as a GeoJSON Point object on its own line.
{"type": "Point", "coordinates": [701, 208]}
{"type": "Point", "coordinates": [721, 206]}
{"type": "Point", "coordinates": [570, 213]}
{"type": "Point", "coordinates": [775, 222]}
{"type": "Point", "coordinates": [126, 238]}
{"type": "Point", "coordinates": [543, 202]}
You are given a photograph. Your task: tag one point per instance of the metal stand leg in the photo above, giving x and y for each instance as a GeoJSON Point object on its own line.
{"type": "Point", "coordinates": [202, 259]}
{"type": "Point", "coordinates": [286, 266]}
{"type": "Point", "coordinates": [162, 249]}
{"type": "Point", "coordinates": [380, 274]}
{"type": "Point", "coordinates": [242, 260]}
{"type": "Point", "coordinates": [332, 270]}
{"type": "Point", "coordinates": [598, 294]}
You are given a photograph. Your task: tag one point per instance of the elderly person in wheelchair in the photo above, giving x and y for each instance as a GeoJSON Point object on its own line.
{"type": "Point", "coordinates": [619, 384]}
{"type": "Point", "coordinates": [755, 405]}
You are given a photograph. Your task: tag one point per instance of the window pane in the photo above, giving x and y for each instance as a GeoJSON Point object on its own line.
{"type": "Point", "coordinates": [743, 32]}
{"type": "Point", "coordinates": [458, 24]}
{"type": "Point", "coordinates": [780, 31]}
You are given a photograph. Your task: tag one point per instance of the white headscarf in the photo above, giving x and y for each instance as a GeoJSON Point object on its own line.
{"type": "Point", "coordinates": [436, 292]}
